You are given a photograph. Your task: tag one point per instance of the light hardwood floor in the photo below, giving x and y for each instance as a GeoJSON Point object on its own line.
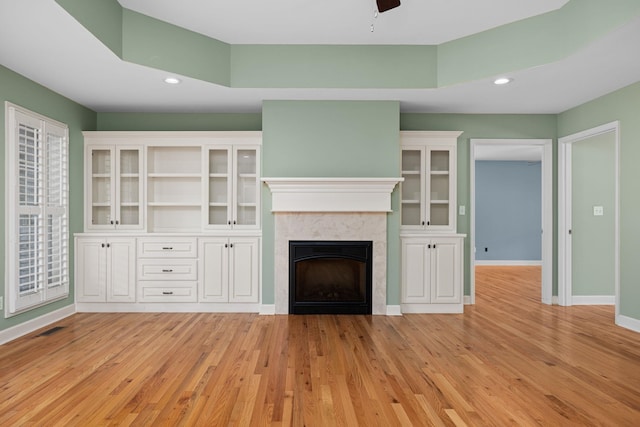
{"type": "Point", "coordinates": [508, 360]}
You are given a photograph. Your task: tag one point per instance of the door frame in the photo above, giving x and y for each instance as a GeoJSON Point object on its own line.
{"type": "Point", "coordinates": [547, 210]}
{"type": "Point", "coordinates": [564, 210]}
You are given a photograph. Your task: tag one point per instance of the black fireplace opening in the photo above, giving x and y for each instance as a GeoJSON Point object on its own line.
{"type": "Point", "coordinates": [330, 277]}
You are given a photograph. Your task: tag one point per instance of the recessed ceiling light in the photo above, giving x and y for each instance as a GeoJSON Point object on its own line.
{"type": "Point", "coordinates": [172, 80]}
{"type": "Point", "coordinates": [502, 80]}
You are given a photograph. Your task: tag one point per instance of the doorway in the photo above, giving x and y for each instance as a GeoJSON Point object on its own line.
{"type": "Point", "coordinates": [510, 149]}
{"type": "Point", "coordinates": [588, 213]}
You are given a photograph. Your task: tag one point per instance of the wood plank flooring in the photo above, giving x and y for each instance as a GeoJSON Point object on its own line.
{"type": "Point", "coordinates": [507, 361]}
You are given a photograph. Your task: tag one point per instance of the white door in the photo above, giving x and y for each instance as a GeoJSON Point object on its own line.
{"type": "Point", "coordinates": [91, 270]}
{"type": "Point", "coordinates": [416, 267]}
{"type": "Point", "coordinates": [121, 280]}
{"type": "Point", "coordinates": [214, 270]}
{"type": "Point", "coordinates": [244, 270]}
{"type": "Point", "coordinates": [445, 276]}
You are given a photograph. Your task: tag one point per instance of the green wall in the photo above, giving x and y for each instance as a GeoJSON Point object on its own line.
{"type": "Point", "coordinates": [331, 139]}
{"type": "Point", "coordinates": [25, 93]}
{"type": "Point", "coordinates": [623, 106]}
{"type": "Point", "coordinates": [593, 237]}
{"type": "Point", "coordinates": [541, 126]}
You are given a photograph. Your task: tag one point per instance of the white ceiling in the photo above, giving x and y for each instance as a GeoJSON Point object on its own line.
{"type": "Point", "coordinates": [39, 40]}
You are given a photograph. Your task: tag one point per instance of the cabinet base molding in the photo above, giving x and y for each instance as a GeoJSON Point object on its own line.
{"type": "Point", "coordinates": [89, 307]}
{"type": "Point", "coordinates": [394, 310]}
{"type": "Point", "coordinates": [433, 308]}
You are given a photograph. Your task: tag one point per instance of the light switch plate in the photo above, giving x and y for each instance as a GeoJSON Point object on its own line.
{"type": "Point", "coordinates": [462, 210]}
{"type": "Point", "coordinates": [598, 210]}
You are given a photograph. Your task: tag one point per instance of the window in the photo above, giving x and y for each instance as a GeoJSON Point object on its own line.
{"type": "Point", "coordinates": [37, 205]}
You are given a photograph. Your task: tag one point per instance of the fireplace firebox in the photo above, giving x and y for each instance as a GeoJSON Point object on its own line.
{"type": "Point", "coordinates": [330, 277]}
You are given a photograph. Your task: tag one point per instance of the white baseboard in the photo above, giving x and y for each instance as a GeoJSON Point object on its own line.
{"type": "Point", "coordinates": [394, 310]}
{"type": "Point", "coordinates": [268, 309]}
{"type": "Point", "coordinates": [29, 326]}
{"type": "Point", "coordinates": [555, 300]}
{"type": "Point", "coordinates": [466, 300]}
{"type": "Point", "coordinates": [155, 307]}
{"type": "Point", "coordinates": [593, 300]}
{"type": "Point", "coordinates": [628, 322]}
{"type": "Point", "coordinates": [507, 262]}
{"type": "Point", "coordinates": [433, 308]}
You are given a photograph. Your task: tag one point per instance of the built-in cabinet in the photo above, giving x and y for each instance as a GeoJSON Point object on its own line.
{"type": "Point", "coordinates": [432, 252]}
{"type": "Point", "coordinates": [105, 269]}
{"type": "Point", "coordinates": [170, 217]}
{"type": "Point", "coordinates": [432, 274]}
{"type": "Point", "coordinates": [230, 269]}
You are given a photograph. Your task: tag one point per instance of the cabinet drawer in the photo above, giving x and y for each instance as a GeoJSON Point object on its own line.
{"type": "Point", "coordinates": [168, 292]}
{"type": "Point", "coordinates": [167, 269]}
{"type": "Point", "coordinates": [167, 248]}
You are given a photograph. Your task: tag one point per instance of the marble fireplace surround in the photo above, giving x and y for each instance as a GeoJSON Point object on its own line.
{"type": "Point", "coordinates": [331, 209]}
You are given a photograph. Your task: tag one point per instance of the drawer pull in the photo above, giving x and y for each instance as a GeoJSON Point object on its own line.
{"type": "Point", "coordinates": [167, 270]}
{"type": "Point", "coordinates": [167, 293]}
{"type": "Point", "coordinates": [167, 248]}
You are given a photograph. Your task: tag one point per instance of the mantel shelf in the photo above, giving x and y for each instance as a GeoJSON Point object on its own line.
{"type": "Point", "coordinates": [331, 194]}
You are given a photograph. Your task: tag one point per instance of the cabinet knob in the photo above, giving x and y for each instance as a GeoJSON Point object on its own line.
{"type": "Point", "coordinates": [434, 246]}
{"type": "Point", "coordinates": [234, 222]}
{"type": "Point", "coordinates": [231, 245]}
{"type": "Point", "coordinates": [422, 222]}
{"type": "Point", "coordinates": [226, 245]}
{"type": "Point", "coordinates": [117, 222]}
{"type": "Point", "coordinates": [108, 245]}
{"type": "Point", "coordinates": [429, 246]}
{"type": "Point", "coordinates": [229, 222]}
{"type": "Point", "coordinates": [103, 245]}
{"type": "Point", "coordinates": [111, 222]}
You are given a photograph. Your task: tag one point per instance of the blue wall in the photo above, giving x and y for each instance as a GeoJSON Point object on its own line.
{"type": "Point", "coordinates": [508, 211]}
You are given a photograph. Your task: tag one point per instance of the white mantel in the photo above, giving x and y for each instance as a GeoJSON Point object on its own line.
{"type": "Point", "coordinates": [331, 194]}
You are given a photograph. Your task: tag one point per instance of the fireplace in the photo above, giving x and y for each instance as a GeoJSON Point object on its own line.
{"type": "Point", "coordinates": [330, 277]}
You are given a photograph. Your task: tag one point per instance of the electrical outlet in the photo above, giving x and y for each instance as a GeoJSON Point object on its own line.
{"type": "Point", "coordinates": [1, 303]}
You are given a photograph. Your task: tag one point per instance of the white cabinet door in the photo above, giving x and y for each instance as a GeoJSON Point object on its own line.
{"type": "Point", "coordinates": [214, 269]}
{"type": "Point", "coordinates": [121, 273]}
{"type": "Point", "coordinates": [428, 193]}
{"type": "Point", "coordinates": [233, 187]}
{"type": "Point", "coordinates": [244, 269]}
{"type": "Point", "coordinates": [446, 286]}
{"type": "Point", "coordinates": [114, 187]}
{"type": "Point", "coordinates": [416, 267]}
{"type": "Point", "coordinates": [91, 270]}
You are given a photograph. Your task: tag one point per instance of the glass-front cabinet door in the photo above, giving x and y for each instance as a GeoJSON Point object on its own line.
{"type": "Point", "coordinates": [219, 184]}
{"type": "Point", "coordinates": [233, 190]}
{"type": "Point", "coordinates": [115, 189]}
{"type": "Point", "coordinates": [413, 188]}
{"type": "Point", "coordinates": [129, 192]}
{"type": "Point", "coordinates": [246, 189]}
{"type": "Point", "coordinates": [428, 201]}
{"type": "Point", "coordinates": [101, 189]}
{"type": "Point", "coordinates": [439, 209]}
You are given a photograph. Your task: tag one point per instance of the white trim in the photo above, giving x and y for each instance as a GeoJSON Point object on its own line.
{"type": "Point", "coordinates": [267, 309]}
{"type": "Point", "coordinates": [628, 322]}
{"type": "Point", "coordinates": [547, 210]}
{"type": "Point", "coordinates": [564, 211]}
{"type": "Point", "coordinates": [508, 262]}
{"type": "Point", "coordinates": [433, 308]}
{"type": "Point", "coordinates": [155, 307]}
{"type": "Point", "coordinates": [331, 194]}
{"type": "Point", "coordinates": [593, 300]}
{"type": "Point", "coordinates": [467, 300]}
{"type": "Point", "coordinates": [29, 326]}
{"type": "Point", "coordinates": [394, 310]}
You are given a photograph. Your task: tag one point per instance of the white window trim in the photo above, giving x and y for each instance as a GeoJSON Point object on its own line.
{"type": "Point", "coordinates": [14, 303]}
